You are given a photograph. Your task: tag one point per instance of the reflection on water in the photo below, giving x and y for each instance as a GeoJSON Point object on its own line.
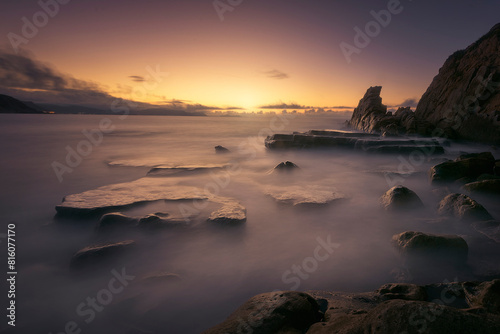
{"type": "Point", "coordinates": [219, 266]}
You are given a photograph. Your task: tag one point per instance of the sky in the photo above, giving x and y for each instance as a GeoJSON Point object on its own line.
{"type": "Point", "coordinates": [232, 53]}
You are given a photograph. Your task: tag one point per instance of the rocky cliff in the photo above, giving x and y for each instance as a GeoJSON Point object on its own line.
{"type": "Point", "coordinates": [463, 100]}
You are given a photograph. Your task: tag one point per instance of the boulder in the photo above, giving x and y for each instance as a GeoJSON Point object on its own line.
{"type": "Point", "coordinates": [463, 99]}
{"type": "Point", "coordinates": [486, 295]}
{"type": "Point", "coordinates": [432, 247]}
{"type": "Point", "coordinates": [96, 254]}
{"type": "Point", "coordinates": [463, 207]}
{"type": "Point", "coordinates": [485, 187]}
{"type": "Point", "coordinates": [271, 313]}
{"type": "Point", "coordinates": [469, 166]}
{"type": "Point", "coordinates": [400, 198]}
{"type": "Point", "coordinates": [286, 166]}
{"type": "Point", "coordinates": [221, 149]}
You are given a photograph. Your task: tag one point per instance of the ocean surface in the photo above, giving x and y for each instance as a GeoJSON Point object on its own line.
{"type": "Point", "coordinates": [344, 246]}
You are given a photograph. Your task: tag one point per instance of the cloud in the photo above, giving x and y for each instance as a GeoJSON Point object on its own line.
{"type": "Point", "coordinates": [137, 78]}
{"type": "Point", "coordinates": [410, 102]}
{"type": "Point", "coordinates": [275, 74]}
{"type": "Point", "coordinates": [283, 106]}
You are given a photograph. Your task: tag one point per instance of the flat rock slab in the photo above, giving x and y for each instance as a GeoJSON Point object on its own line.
{"type": "Point", "coordinates": [123, 195]}
{"type": "Point", "coordinates": [304, 195]}
{"type": "Point", "coordinates": [353, 140]}
{"type": "Point", "coordinates": [94, 254]}
{"type": "Point", "coordinates": [183, 170]}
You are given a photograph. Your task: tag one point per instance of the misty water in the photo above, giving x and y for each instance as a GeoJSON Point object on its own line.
{"type": "Point", "coordinates": [218, 267]}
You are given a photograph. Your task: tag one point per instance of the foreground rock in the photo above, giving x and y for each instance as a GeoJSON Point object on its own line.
{"type": "Point", "coordinates": [96, 254]}
{"type": "Point", "coordinates": [183, 170]}
{"type": "Point", "coordinates": [310, 195]}
{"type": "Point", "coordinates": [467, 166]}
{"type": "Point", "coordinates": [463, 207]}
{"type": "Point", "coordinates": [444, 308]}
{"type": "Point", "coordinates": [465, 95]}
{"type": "Point", "coordinates": [418, 247]}
{"type": "Point", "coordinates": [354, 141]}
{"type": "Point", "coordinates": [400, 198]}
{"type": "Point", "coordinates": [274, 312]}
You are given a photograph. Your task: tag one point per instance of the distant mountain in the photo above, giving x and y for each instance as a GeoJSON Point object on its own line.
{"type": "Point", "coordinates": [10, 105]}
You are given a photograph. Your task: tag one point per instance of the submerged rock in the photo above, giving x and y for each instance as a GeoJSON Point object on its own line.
{"type": "Point", "coordinates": [160, 220]}
{"type": "Point", "coordinates": [183, 170]}
{"type": "Point", "coordinates": [230, 213]}
{"type": "Point", "coordinates": [463, 207]}
{"type": "Point", "coordinates": [400, 198]}
{"type": "Point", "coordinates": [304, 195]}
{"type": "Point", "coordinates": [95, 254]}
{"type": "Point", "coordinates": [271, 313]}
{"type": "Point", "coordinates": [286, 166]}
{"type": "Point", "coordinates": [221, 149]}
{"type": "Point", "coordinates": [469, 166]}
{"type": "Point", "coordinates": [402, 291]}
{"type": "Point", "coordinates": [489, 228]}
{"type": "Point", "coordinates": [432, 247]}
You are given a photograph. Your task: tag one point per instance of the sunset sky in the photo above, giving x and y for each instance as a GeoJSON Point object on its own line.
{"type": "Point", "coordinates": [262, 52]}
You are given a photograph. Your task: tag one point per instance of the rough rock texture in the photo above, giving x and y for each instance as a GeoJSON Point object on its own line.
{"type": "Point", "coordinates": [309, 195]}
{"type": "Point", "coordinates": [469, 166]}
{"type": "Point", "coordinates": [230, 213]}
{"type": "Point", "coordinates": [369, 112]}
{"type": "Point", "coordinates": [463, 207]}
{"type": "Point", "coordinates": [400, 198]}
{"type": "Point", "coordinates": [94, 254]}
{"type": "Point", "coordinates": [272, 313]}
{"type": "Point", "coordinates": [443, 308]}
{"type": "Point", "coordinates": [465, 95]}
{"type": "Point", "coordinates": [416, 245]}
{"type": "Point", "coordinates": [485, 187]}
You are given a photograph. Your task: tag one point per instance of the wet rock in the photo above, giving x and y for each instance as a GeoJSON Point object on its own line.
{"type": "Point", "coordinates": [469, 166]}
{"type": "Point", "coordinates": [286, 166]}
{"type": "Point", "coordinates": [403, 291]}
{"type": "Point", "coordinates": [400, 198]}
{"type": "Point", "coordinates": [486, 295]}
{"type": "Point", "coordinates": [95, 254]}
{"type": "Point", "coordinates": [463, 207]}
{"type": "Point", "coordinates": [310, 195]}
{"type": "Point", "coordinates": [489, 228]}
{"type": "Point", "coordinates": [115, 220]}
{"type": "Point", "coordinates": [221, 149]}
{"type": "Point", "coordinates": [485, 187]}
{"type": "Point", "coordinates": [431, 247]}
{"type": "Point", "coordinates": [231, 213]}
{"type": "Point", "coordinates": [181, 171]}
{"type": "Point", "coordinates": [271, 313]}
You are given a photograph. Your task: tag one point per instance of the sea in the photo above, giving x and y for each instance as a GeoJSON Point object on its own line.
{"type": "Point", "coordinates": [189, 278]}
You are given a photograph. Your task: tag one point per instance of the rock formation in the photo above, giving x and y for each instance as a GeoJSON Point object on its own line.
{"type": "Point", "coordinates": [465, 96]}
{"type": "Point", "coordinates": [400, 198]}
